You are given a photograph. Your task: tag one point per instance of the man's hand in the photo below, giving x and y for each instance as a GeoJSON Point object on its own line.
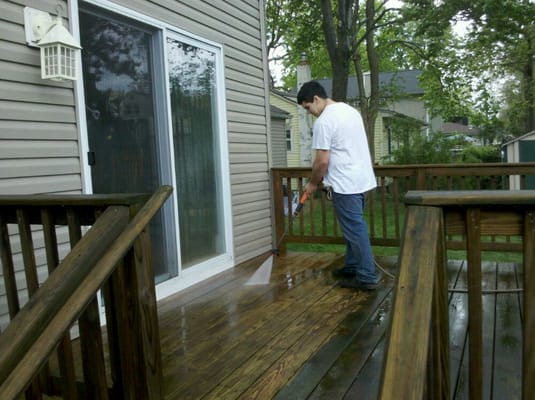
{"type": "Point", "coordinates": [310, 188]}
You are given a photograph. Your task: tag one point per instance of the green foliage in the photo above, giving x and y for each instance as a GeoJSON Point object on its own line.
{"type": "Point", "coordinates": [498, 45]}
{"type": "Point", "coordinates": [515, 111]}
{"type": "Point", "coordinates": [480, 154]}
{"type": "Point", "coordinates": [462, 75]}
{"type": "Point", "coordinates": [422, 149]}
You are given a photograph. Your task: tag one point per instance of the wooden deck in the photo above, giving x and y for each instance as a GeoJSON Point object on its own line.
{"type": "Point", "coordinates": [303, 337]}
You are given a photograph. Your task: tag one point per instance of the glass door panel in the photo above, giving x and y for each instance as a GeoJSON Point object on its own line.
{"type": "Point", "coordinates": [123, 138]}
{"type": "Point", "coordinates": [192, 83]}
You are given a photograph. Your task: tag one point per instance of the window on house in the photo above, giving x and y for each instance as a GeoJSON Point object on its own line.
{"type": "Point", "coordinates": [288, 137]}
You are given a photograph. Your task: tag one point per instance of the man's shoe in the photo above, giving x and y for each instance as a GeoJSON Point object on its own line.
{"type": "Point", "coordinates": [343, 273]}
{"type": "Point", "coordinates": [354, 284]}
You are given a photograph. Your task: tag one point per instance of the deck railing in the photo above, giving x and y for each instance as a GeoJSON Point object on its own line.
{"type": "Point", "coordinates": [385, 208]}
{"type": "Point", "coordinates": [416, 362]}
{"type": "Point", "coordinates": [113, 254]}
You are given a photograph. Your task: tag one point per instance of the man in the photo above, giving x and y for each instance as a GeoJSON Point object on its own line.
{"type": "Point", "coordinates": [344, 164]}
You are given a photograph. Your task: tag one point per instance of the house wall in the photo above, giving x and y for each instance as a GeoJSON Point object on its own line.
{"type": "Point", "coordinates": [381, 140]}
{"type": "Point", "coordinates": [413, 108]}
{"type": "Point", "coordinates": [292, 157]}
{"type": "Point", "coordinates": [278, 142]}
{"type": "Point", "coordinates": [40, 138]}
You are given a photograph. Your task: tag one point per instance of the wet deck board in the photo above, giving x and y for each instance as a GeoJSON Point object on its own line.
{"type": "Point", "coordinates": [300, 336]}
{"type": "Point", "coordinates": [299, 317]}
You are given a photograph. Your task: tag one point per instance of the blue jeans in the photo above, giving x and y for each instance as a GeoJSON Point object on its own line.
{"type": "Point", "coordinates": [349, 210]}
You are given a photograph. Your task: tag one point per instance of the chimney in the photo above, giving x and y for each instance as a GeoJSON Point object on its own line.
{"type": "Point", "coordinates": [305, 120]}
{"type": "Point", "coordinates": [303, 71]}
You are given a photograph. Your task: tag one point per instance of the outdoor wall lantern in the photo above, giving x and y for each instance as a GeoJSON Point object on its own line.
{"type": "Point", "coordinates": [59, 50]}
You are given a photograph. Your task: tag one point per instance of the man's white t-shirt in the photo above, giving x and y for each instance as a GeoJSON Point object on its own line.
{"type": "Point", "coordinates": [340, 130]}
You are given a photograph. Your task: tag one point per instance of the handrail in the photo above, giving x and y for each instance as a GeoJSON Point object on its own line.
{"type": "Point", "coordinates": [419, 295]}
{"type": "Point", "coordinates": [416, 361]}
{"type": "Point", "coordinates": [35, 331]}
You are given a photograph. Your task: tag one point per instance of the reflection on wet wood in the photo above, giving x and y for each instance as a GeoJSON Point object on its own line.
{"type": "Point", "coordinates": [303, 337]}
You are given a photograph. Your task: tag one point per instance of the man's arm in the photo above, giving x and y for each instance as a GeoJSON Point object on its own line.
{"type": "Point", "coordinates": [319, 168]}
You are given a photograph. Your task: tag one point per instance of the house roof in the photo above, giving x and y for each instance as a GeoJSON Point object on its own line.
{"type": "Point", "coordinates": [405, 82]}
{"type": "Point", "coordinates": [287, 96]}
{"type": "Point", "coordinates": [453, 127]}
{"type": "Point", "coordinates": [525, 136]}
{"type": "Point", "coordinates": [279, 113]}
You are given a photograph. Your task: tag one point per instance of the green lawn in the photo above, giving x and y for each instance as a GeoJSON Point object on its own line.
{"type": "Point", "coordinates": [378, 232]}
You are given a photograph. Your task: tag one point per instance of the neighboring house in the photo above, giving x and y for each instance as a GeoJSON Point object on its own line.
{"type": "Point", "coordinates": [520, 149]}
{"type": "Point", "coordinates": [400, 100]}
{"type": "Point", "coordinates": [288, 103]}
{"type": "Point", "coordinates": [170, 92]}
{"type": "Point", "coordinates": [461, 134]}
{"type": "Point", "coordinates": [279, 141]}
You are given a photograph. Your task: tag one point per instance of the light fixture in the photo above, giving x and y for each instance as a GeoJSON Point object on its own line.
{"type": "Point", "coordinates": [59, 50]}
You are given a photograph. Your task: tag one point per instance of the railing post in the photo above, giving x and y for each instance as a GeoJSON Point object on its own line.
{"type": "Point", "coordinates": [94, 366]}
{"type": "Point", "coordinates": [278, 210]}
{"type": "Point", "coordinates": [475, 305]}
{"type": "Point", "coordinates": [439, 361]}
{"type": "Point", "coordinates": [133, 325]}
{"type": "Point", "coordinates": [420, 179]}
{"type": "Point", "coordinates": [147, 309]}
{"type": "Point", "coordinates": [528, 384]}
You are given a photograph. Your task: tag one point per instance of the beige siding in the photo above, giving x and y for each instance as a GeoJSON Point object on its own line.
{"type": "Point", "coordinates": [39, 149]}
{"type": "Point", "coordinates": [38, 138]}
{"type": "Point", "coordinates": [381, 140]}
{"type": "Point", "coordinates": [278, 142]}
{"type": "Point", "coordinates": [292, 156]}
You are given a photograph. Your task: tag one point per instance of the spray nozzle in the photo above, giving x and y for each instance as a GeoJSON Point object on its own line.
{"type": "Point", "coordinates": [299, 207]}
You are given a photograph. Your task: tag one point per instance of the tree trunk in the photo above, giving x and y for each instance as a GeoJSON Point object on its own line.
{"type": "Point", "coordinates": [529, 89]}
{"type": "Point", "coordinates": [337, 39]}
{"type": "Point", "coordinates": [373, 60]}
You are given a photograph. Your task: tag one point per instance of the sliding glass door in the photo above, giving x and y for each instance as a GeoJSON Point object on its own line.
{"type": "Point", "coordinates": [154, 102]}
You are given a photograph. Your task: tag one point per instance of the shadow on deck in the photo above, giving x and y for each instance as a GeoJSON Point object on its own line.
{"type": "Point", "coordinates": [303, 337]}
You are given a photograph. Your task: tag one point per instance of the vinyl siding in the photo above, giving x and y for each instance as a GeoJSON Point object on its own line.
{"type": "Point", "coordinates": [278, 142]}
{"type": "Point", "coordinates": [38, 136]}
{"type": "Point", "coordinates": [293, 156]}
{"type": "Point", "coordinates": [381, 140]}
{"type": "Point", "coordinates": [39, 144]}
{"type": "Point", "coordinates": [39, 150]}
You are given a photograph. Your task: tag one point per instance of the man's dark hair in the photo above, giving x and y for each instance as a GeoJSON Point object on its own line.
{"type": "Point", "coordinates": [309, 90]}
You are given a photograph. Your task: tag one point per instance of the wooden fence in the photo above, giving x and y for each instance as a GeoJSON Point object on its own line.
{"type": "Point", "coordinates": [385, 208]}
{"type": "Point", "coordinates": [114, 255]}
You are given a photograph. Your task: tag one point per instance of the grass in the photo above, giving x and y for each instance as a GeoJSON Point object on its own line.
{"type": "Point", "coordinates": [381, 223]}
{"type": "Point", "coordinates": [394, 251]}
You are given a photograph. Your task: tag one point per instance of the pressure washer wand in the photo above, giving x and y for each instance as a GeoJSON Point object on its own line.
{"type": "Point", "coordinates": [296, 212]}
{"type": "Point", "coordinates": [299, 207]}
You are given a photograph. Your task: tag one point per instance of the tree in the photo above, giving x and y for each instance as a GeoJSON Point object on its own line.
{"type": "Point", "coordinates": [294, 27]}
{"type": "Point", "coordinates": [349, 30]}
{"type": "Point", "coordinates": [499, 46]}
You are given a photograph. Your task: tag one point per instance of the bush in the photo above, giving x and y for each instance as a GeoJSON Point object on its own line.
{"type": "Point", "coordinates": [480, 154]}
{"type": "Point", "coordinates": [434, 149]}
